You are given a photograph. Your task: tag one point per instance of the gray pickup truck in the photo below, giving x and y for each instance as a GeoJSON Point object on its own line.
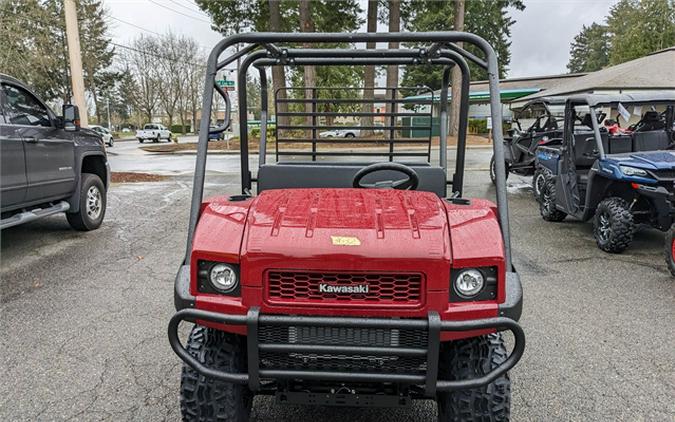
{"type": "Point", "coordinates": [48, 164]}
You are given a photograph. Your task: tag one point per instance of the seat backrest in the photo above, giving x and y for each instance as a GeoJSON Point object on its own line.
{"type": "Point", "coordinates": [650, 141]}
{"type": "Point", "coordinates": [620, 144]}
{"type": "Point", "coordinates": [339, 175]}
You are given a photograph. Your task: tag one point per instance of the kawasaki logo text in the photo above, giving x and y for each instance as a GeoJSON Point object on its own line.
{"type": "Point", "coordinates": [353, 289]}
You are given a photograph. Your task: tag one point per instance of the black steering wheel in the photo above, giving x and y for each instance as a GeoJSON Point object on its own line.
{"type": "Point", "coordinates": [410, 183]}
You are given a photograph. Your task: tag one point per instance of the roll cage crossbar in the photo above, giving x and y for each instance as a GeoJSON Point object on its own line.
{"type": "Point", "coordinates": [262, 50]}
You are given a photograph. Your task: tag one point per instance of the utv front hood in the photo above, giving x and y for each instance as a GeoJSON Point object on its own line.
{"type": "Point", "coordinates": [347, 230]}
{"type": "Point", "coordinates": [649, 160]}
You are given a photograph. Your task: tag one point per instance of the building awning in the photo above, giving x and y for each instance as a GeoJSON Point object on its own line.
{"type": "Point", "coordinates": [481, 96]}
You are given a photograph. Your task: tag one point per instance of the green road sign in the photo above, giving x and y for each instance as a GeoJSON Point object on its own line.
{"type": "Point", "coordinates": [225, 83]}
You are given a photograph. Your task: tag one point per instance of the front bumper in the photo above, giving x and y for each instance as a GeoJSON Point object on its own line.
{"type": "Point", "coordinates": [258, 345]}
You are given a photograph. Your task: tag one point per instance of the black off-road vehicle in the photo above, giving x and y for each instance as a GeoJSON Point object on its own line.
{"type": "Point", "coordinates": [620, 178]}
{"type": "Point", "coordinates": [542, 118]}
{"type": "Point", "coordinates": [48, 164]}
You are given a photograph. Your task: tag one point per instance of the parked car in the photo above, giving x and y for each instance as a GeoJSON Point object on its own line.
{"type": "Point", "coordinates": [48, 164]}
{"type": "Point", "coordinates": [105, 134]}
{"type": "Point", "coordinates": [619, 181]}
{"type": "Point", "coordinates": [542, 119]}
{"type": "Point", "coordinates": [153, 132]}
{"type": "Point", "coordinates": [340, 133]}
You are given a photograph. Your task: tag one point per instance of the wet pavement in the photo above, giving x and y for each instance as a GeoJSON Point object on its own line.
{"type": "Point", "coordinates": [84, 314]}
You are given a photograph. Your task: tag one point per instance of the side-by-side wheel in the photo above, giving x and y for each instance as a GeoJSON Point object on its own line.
{"type": "Point", "coordinates": [467, 358]}
{"type": "Point", "coordinates": [207, 399]}
{"type": "Point", "coordinates": [547, 207]}
{"type": "Point", "coordinates": [493, 171]}
{"type": "Point", "coordinates": [670, 249]}
{"type": "Point", "coordinates": [613, 225]}
{"type": "Point", "coordinates": [538, 181]}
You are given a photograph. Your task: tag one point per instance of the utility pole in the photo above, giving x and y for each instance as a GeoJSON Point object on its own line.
{"type": "Point", "coordinates": [77, 80]}
{"type": "Point", "coordinates": [109, 124]}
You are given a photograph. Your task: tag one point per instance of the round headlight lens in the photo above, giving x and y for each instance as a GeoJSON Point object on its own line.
{"type": "Point", "coordinates": [223, 277]}
{"type": "Point", "coordinates": [469, 283]}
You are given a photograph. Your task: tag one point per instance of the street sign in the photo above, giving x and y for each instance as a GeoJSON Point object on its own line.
{"type": "Point", "coordinates": [225, 83]}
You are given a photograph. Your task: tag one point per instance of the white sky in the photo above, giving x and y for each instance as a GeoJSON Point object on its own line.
{"type": "Point", "coordinates": [540, 38]}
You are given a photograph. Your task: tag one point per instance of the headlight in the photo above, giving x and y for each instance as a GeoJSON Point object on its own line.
{"type": "Point", "coordinates": [469, 283]}
{"type": "Point", "coordinates": [632, 171]}
{"type": "Point", "coordinates": [223, 277]}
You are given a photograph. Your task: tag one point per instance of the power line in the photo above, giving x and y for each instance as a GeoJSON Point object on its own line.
{"type": "Point", "coordinates": [189, 8]}
{"type": "Point", "coordinates": [203, 47]}
{"type": "Point", "coordinates": [135, 26]}
{"type": "Point", "coordinates": [179, 12]}
{"type": "Point", "coordinates": [192, 3]}
{"type": "Point", "coordinates": [153, 54]}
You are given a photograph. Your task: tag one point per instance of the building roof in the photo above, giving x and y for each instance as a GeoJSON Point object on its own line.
{"type": "Point", "coordinates": [611, 99]}
{"type": "Point", "coordinates": [653, 72]}
{"type": "Point", "coordinates": [510, 89]}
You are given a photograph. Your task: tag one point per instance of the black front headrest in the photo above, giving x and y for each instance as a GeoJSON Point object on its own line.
{"type": "Point", "coordinates": [651, 116]}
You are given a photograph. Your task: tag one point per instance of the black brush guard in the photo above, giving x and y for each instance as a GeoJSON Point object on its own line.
{"type": "Point", "coordinates": [432, 326]}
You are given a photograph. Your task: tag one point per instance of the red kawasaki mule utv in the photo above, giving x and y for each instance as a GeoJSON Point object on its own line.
{"type": "Point", "coordinates": [345, 283]}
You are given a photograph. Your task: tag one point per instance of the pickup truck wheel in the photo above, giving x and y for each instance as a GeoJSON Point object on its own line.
{"type": "Point", "coordinates": [112, 142]}
{"type": "Point", "coordinates": [547, 201]}
{"type": "Point", "coordinates": [140, 140]}
{"type": "Point", "coordinates": [157, 139]}
{"type": "Point", "coordinates": [670, 249]}
{"type": "Point", "coordinates": [350, 135]}
{"type": "Point", "coordinates": [465, 359]}
{"type": "Point", "coordinates": [92, 204]}
{"type": "Point", "coordinates": [613, 225]}
{"type": "Point", "coordinates": [206, 399]}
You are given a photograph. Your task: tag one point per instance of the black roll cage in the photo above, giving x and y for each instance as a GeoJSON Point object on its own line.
{"type": "Point", "coordinates": [261, 50]}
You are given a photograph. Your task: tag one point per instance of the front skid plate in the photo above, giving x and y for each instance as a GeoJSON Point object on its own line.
{"type": "Point", "coordinates": [339, 399]}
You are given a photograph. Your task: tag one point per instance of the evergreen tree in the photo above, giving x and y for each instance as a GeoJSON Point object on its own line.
{"type": "Point", "coordinates": [97, 53]}
{"type": "Point", "coordinates": [34, 46]}
{"type": "Point", "coordinates": [590, 49]}
{"type": "Point", "coordinates": [634, 29]}
{"type": "Point", "coordinates": [31, 41]}
{"type": "Point", "coordinates": [485, 18]}
{"type": "Point", "coordinates": [326, 16]}
{"type": "Point", "coordinates": [638, 28]}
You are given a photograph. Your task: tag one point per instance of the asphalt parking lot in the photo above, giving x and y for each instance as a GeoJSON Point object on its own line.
{"type": "Point", "coordinates": [84, 315]}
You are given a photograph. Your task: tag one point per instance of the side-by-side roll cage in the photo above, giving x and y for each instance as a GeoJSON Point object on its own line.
{"type": "Point", "coordinates": [263, 50]}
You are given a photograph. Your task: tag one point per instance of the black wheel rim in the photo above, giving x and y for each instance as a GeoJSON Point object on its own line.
{"type": "Point", "coordinates": [604, 230]}
{"type": "Point", "coordinates": [539, 183]}
{"type": "Point", "coordinates": [548, 205]}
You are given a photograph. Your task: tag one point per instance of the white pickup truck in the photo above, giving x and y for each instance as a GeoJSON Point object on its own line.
{"type": "Point", "coordinates": [153, 132]}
